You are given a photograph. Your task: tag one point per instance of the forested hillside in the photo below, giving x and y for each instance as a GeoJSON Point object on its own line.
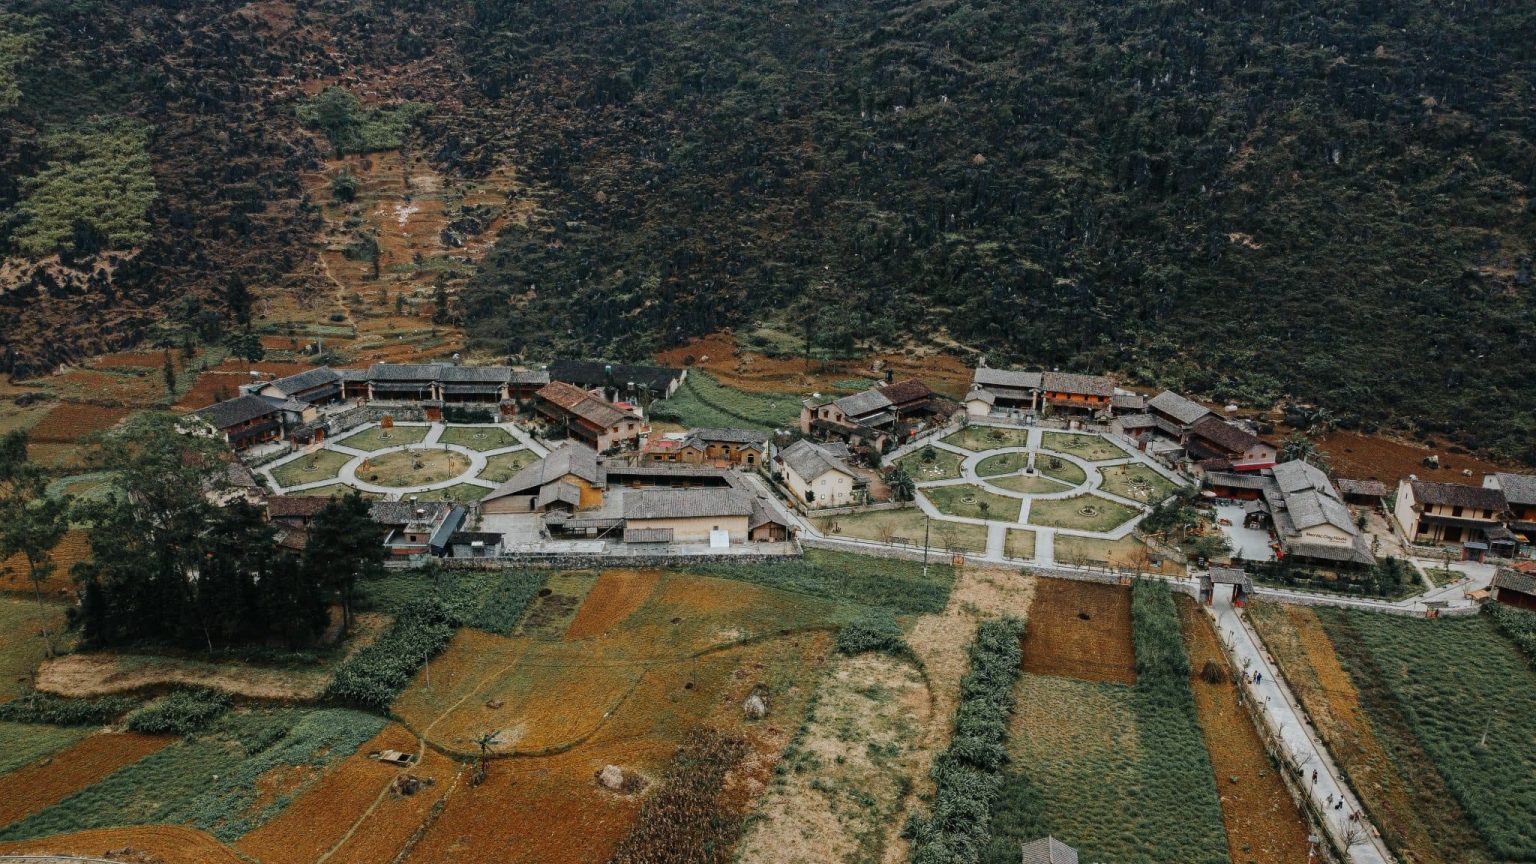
{"type": "Point", "coordinates": [1329, 200]}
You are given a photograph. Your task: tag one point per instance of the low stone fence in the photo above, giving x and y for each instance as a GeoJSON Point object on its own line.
{"type": "Point", "coordinates": [867, 508]}
{"type": "Point", "coordinates": [568, 561]}
{"type": "Point", "coordinates": [345, 421]}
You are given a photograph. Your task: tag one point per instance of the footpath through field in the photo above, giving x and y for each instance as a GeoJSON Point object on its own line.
{"type": "Point", "coordinates": [1319, 775]}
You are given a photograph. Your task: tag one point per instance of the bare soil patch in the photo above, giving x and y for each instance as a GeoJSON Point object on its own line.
{"type": "Point", "coordinates": [45, 783]}
{"type": "Point", "coordinates": [616, 596]}
{"type": "Point", "coordinates": [1081, 630]}
{"type": "Point", "coordinates": [1263, 824]}
{"type": "Point", "coordinates": [69, 422]}
{"type": "Point", "coordinates": [163, 844]}
{"type": "Point", "coordinates": [1374, 457]}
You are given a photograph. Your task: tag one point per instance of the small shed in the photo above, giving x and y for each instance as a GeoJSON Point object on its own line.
{"type": "Point", "coordinates": [1368, 493]}
{"type": "Point", "coordinates": [1514, 588]}
{"type": "Point", "coordinates": [1048, 850]}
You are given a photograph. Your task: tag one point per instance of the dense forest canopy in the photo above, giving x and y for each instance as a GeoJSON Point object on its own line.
{"type": "Point", "coordinates": [1328, 200]}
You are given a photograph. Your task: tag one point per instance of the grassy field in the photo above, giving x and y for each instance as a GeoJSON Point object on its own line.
{"type": "Point", "coordinates": [1469, 698]}
{"type": "Point", "coordinates": [1094, 448]}
{"type": "Point", "coordinates": [379, 438]}
{"type": "Point", "coordinates": [906, 524]}
{"type": "Point", "coordinates": [1119, 770]}
{"type": "Point", "coordinates": [1066, 513]}
{"type": "Point", "coordinates": [1125, 552]}
{"type": "Point", "coordinates": [460, 493]}
{"type": "Point", "coordinates": [1136, 482]}
{"type": "Point", "coordinates": [944, 466]}
{"type": "Point", "coordinates": [953, 500]}
{"type": "Point", "coordinates": [504, 466]}
{"type": "Point", "coordinates": [26, 743]}
{"type": "Point", "coordinates": [898, 585]}
{"type": "Point", "coordinates": [209, 780]}
{"type": "Point", "coordinates": [479, 437]}
{"type": "Point", "coordinates": [23, 648]}
{"type": "Point", "coordinates": [421, 467]}
{"type": "Point", "coordinates": [319, 465]}
{"type": "Point", "coordinates": [1060, 469]}
{"type": "Point", "coordinates": [1031, 484]}
{"type": "Point", "coordinates": [1002, 463]}
{"type": "Point", "coordinates": [1019, 544]}
{"type": "Point", "coordinates": [982, 438]}
{"type": "Point", "coordinates": [703, 401]}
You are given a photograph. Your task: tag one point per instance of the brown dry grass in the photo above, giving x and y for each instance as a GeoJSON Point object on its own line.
{"type": "Point", "coordinates": [1262, 821]}
{"type": "Point", "coordinates": [354, 794]}
{"type": "Point", "coordinates": [940, 642]}
{"type": "Point", "coordinates": [109, 388]}
{"type": "Point", "coordinates": [43, 784]}
{"type": "Point", "coordinates": [1060, 640]}
{"type": "Point", "coordinates": [137, 360]}
{"type": "Point", "coordinates": [617, 595]}
{"type": "Point", "coordinates": [91, 675]}
{"type": "Point", "coordinates": [170, 844]}
{"type": "Point", "coordinates": [858, 741]}
{"type": "Point", "coordinates": [73, 548]}
{"type": "Point", "coordinates": [757, 373]}
{"type": "Point", "coordinates": [1375, 457]}
{"type": "Point", "coordinates": [1296, 638]}
{"type": "Point", "coordinates": [226, 379]}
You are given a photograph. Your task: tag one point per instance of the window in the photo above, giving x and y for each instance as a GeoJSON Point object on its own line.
{"type": "Point", "coordinates": [1456, 511]}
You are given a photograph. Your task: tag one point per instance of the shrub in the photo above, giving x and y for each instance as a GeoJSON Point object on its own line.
{"type": "Point", "coordinates": [38, 707]}
{"type": "Point", "coordinates": [92, 195]}
{"type": "Point", "coordinates": [969, 774]}
{"type": "Point", "coordinates": [1518, 624]}
{"type": "Point", "coordinates": [874, 630]}
{"type": "Point", "coordinates": [179, 713]}
{"type": "Point", "coordinates": [376, 675]}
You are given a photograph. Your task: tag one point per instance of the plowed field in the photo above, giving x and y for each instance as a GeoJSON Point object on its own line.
{"type": "Point", "coordinates": [616, 596]}
{"type": "Point", "coordinates": [68, 422]}
{"type": "Point", "coordinates": [1080, 630]}
{"type": "Point", "coordinates": [162, 843]}
{"type": "Point", "coordinates": [1263, 824]}
{"type": "Point", "coordinates": [761, 374]}
{"type": "Point", "coordinates": [43, 784]}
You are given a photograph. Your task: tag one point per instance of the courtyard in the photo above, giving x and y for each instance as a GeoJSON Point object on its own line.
{"type": "Point", "coordinates": [428, 461]}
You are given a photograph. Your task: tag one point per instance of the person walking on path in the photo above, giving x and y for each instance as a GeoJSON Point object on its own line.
{"type": "Point", "coordinates": [1314, 776]}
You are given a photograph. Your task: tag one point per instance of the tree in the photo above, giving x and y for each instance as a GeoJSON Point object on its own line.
{"type": "Point", "coordinates": [902, 486]}
{"type": "Point", "coordinates": [246, 345]}
{"type": "Point", "coordinates": [31, 522]}
{"type": "Point", "coordinates": [440, 305]}
{"type": "Point", "coordinates": [345, 545]}
{"type": "Point", "coordinates": [168, 369]}
{"type": "Point", "coordinates": [1298, 447]}
{"type": "Point", "coordinates": [335, 113]}
{"type": "Point", "coordinates": [238, 299]}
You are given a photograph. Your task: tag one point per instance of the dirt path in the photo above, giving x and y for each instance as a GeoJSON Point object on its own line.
{"type": "Point", "coordinates": [940, 642]}
{"type": "Point", "coordinates": [1263, 824]}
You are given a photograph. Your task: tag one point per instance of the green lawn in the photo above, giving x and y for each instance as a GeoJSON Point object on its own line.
{"type": "Point", "coordinates": [703, 401]}
{"type": "Point", "coordinates": [1441, 576]}
{"type": "Point", "coordinates": [504, 466]}
{"type": "Point", "coordinates": [22, 647]}
{"type": "Point", "coordinates": [1467, 697]}
{"type": "Point", "coordinates": [1065, 513]}
{"type": "Point", "coordinates": [378, 438]}
{"type": "Point", "coordinates": [945, 465]}
{"type": "Point", "coordinates": [1093, 448]}
{"type": "Point", "coordinates": [1125, 552]}
{"type": "Point", "coordinates": [905, 524]}
{"type": "Point", "coordinates": [953, 500]}
{"type": "Point", "coordinates": [1002, 463]}
{"type": "Point", "coordinates": [1061, 469]}
{"type": "Point", "coordinates": [1020, 544]}
{"type": "Point", "coordinates": [982, 438]}
{"type": "Point", "coordinates": [1136, 482]}
{"type": "Point", "coordinates": [26, 743]}
{"type": "Point", "coordinates": [1033, 484]}
{"type": "Point", "coordinates": [319, 465]}
{"type": "Point", "coordinates": [479, 437]}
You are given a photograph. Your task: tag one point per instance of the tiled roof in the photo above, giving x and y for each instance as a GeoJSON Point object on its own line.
{"type": "Point", "coordinates": [860, 404]}
{"type": "Point", "coordinates": [809, 461]}
{"type": "Point", "coordinates": [1128, 402]}
{"type": "Point", "coordinates": [595, 374]}
{"type": "Point", "coordinates": [417, 372]}
{"type": "Point", "coordinates": [233, 412]}
{"type": "Point", "coordinates": [1514, 580]}
{"type": "Point", "coordinates": [1374, 488]}
{"type": "Point", "coordinates": [583, 404]}
{"type": "Point", "coordinates": [1009, 378]}
{"type": "Point", "coordinates": [474, 374]}
{"type": "Point", "coordinates": [910, 390]}
{"type": "Point", "coordinates": [1310, 499]}
{"type": "Point", "coordinates": [1517, 488]}
{"type": "Point", "coordinates": [295, 506]}
{"type": "Point", "coordinates": [1457, 495]}
{"type": "Point", "coordinates": [306, 380]}
{"type": "Point", "coordinates": [1067, 382]}
{"type": "Point", "coordinates": [762, 515]}
{"type": "Point", "coordinates": [528, 376]}
{"type": "Point", "coordinates": [1048, 850]}
{"type": "Point", "coordinates": [1136, 421]}
{"type": "Point", "coordinates": [577, 459]}
{"type": "Point", "coordinates": [728, 436]}
{"type": "Point", "coordinates": [405, 512]}
{"type": "Point", "coordinates": [685, 503]}
{"type": "Point", "coordinates": [1185, 411]}
{"type": "Point", "coordinates": [1225, 435]}
{"type": "Point", "coordinates": [981, 395]}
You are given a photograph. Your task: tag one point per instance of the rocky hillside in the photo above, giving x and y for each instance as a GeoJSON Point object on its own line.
{"type": "Point", "coordinates": [1328, 200]}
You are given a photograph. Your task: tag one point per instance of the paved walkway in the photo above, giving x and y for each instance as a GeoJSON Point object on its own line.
{"type": "Point", "coordinates": [1301, 746]}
